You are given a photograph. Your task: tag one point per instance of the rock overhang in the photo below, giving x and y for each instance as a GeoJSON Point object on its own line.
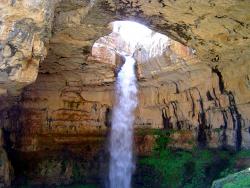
{"type": "Point", "coordinates": [205, 26]}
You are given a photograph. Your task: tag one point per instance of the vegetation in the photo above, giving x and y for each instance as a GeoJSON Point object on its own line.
{"type": "Point", "coordinates": [230, 169]}
{"type": "Point", "coordinates": [196, 168]}
{"type": "Point", "coordinates": [165, 168]}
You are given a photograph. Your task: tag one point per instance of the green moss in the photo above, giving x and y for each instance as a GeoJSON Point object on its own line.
{"type": "Point", "coordinates": [233, 157]}
{"type": "Point", "coordinates": [217, 130]}
{"type": "Point", "coordinates": [183, 168]}
{"type": "Point", "coordinates": [243, 154]}
{"type": "Point", "coordinates": [196, 168]}
{"type": "Point", "coordinates": [170, 166]}
{"type": "Point", "coordinates": [191, 142]}
{"type": "Point", "coordinates": [244, 182]}
{"type": "Point", "coordinates": [237, 180]}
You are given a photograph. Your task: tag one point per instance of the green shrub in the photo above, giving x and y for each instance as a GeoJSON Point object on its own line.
{"type": "Point", "coordinates": [181, 168]}
{"type": "Point", "coordinates": [196, 168]}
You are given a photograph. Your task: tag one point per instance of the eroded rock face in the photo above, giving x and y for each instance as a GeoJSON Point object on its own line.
{"type": "Point", "coordinates": [212, 28]}
{"type": "Point", "coordinates": [204, 96]}
{"type": "Point", "coordinates": [74, 92]}
{"type": "Point", "coordinates": [25, 27]}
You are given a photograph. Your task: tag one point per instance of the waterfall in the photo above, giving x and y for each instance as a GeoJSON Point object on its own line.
{"type": "Point", "coordinates": [121, 141]}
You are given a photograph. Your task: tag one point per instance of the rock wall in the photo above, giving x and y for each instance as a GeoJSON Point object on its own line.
{"type": "Point", "coordinates": [196, 105]}
{"type": "Point", "coordinates": [205, 98]}
{"type": "Point", "coordinates": [25, 28]}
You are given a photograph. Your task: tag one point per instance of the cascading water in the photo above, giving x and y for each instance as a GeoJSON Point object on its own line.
{"type": "Point", "coordinates": [121, 142]}
{"type": "Point", "coordinates": [133, 38]}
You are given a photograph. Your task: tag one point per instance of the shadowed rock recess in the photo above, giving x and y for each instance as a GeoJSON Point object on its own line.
{"type": "Point", "coordinates": [57, 87]}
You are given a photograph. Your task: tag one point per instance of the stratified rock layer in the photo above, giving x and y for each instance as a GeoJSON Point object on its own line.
{"type": "Point", "coordinates": [204, 96]}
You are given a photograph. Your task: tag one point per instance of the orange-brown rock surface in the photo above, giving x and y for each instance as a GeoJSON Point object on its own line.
{"type": "Point", "coordinates": [46, 46]}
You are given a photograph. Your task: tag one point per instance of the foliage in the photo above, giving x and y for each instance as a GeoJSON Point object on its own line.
{"type": "Point", "coordinates": [163, 138]}
{"type": "Point", "coordinates": [182, 168]}
{"type": "Point", "coordinates": [201, 160]}
{"type": "Point", "coordinates": [196, 168]}
{"type": "Point", "coordinates": [166, 167]}
{"type": "Point", "coordinates": [232, 160]}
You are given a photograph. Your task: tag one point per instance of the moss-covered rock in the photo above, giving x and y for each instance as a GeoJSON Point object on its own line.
{"type": "Point", "coordinates": [237, 180]}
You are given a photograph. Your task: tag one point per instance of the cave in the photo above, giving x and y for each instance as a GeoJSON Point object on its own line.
{"type": "Point", "coordinates": [59, 65]}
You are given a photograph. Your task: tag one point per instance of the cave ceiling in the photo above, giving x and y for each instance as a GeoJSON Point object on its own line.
{"type": "Point", "coordinates": [56, 38]}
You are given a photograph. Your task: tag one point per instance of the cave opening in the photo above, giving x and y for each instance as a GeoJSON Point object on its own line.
{"type": "Point", "coordinates": [129, 38]}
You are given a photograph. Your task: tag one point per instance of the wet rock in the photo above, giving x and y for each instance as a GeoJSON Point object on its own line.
{"type": "Point", "coordinates": [239, 179]}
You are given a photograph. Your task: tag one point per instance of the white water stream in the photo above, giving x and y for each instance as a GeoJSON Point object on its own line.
{"type": "Point", "coordinates": [121, 141]}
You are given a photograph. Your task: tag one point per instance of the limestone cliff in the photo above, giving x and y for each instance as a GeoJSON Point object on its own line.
{"type": "Point", "coordinates": [47, 47]}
